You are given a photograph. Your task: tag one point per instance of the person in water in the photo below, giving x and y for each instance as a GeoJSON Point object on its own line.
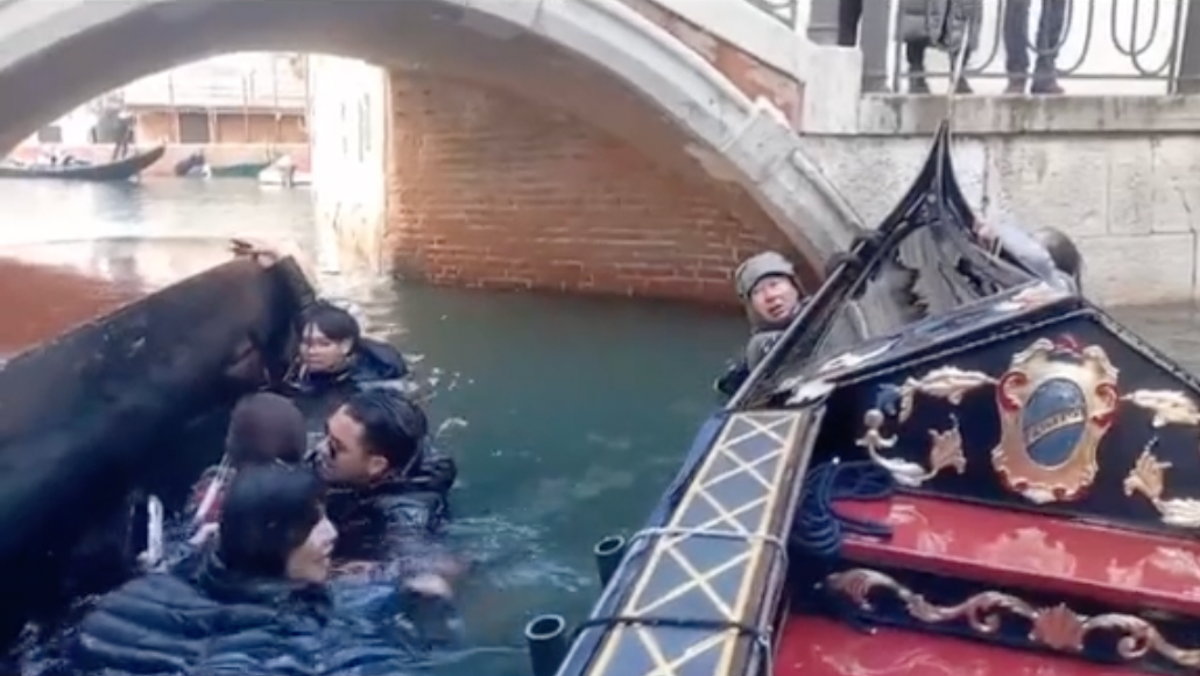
{"type": "Point", "coordinates": [264, 428]}
{"type": "Point", "coordinates": [769, 288]}
{"type": "Point", "coordinates": [388, 486]}
{"type": "Point", "coordinates": [255, 603]}
{"type": "Point", "coordinates": [335, 356]}
{"type": "Point", "coordinates": [1048, 253]}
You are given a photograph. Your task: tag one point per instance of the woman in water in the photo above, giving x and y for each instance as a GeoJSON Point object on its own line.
{"type": "Point", "coordinates": [257, 599]}
{"type": "Point", "coordinates": [335, 356]}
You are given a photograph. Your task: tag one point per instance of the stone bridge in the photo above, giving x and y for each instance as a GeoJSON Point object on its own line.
{"type": "Point", "coordinates": [636, 146]}
{"type": "Point", "coordinates": [618, 145]}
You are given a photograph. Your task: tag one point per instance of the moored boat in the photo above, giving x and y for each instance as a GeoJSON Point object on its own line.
{"type": "Point", "coordinates": [136, 400]}
{"type": "Point", "coordinates": [197, 165]}
{"type": "Point", "coordinates": [78, 170]}
{"type": "Point", "coordinates": [996, 478]}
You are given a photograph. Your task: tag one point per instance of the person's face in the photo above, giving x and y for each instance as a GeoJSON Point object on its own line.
{"type": "Point", "coordinates": [348, 461]}
{"type": "Point", "coordinates": [320, 353]}
{"type": "Point", "coordinates": [774, 298]}
{"type": "Point", "coordinates": [310, 562]}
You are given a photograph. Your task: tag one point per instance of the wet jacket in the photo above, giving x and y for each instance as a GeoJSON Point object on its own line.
{"type": "Point", "coordinates": [318, 395]}
{"type": "Point", "coordinates": [203, 619]}
{"type": "Point", "coordinates": [393, 520]}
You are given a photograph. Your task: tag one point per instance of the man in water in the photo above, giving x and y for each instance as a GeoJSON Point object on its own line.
{"type": "Point", "coordinates": [388, 486]}
{"type": "Point", "coordinates": [768, 287]}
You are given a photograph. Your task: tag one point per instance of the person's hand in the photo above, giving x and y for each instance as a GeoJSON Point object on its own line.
{"type": "Point", "coordinates": [205, 533]}
{"type": "Point", "coordinates": [428, 584]}
{"type": "Point", "coordinates": [259, 253]}
{"type": "Point", "coordinates": [984, 232]}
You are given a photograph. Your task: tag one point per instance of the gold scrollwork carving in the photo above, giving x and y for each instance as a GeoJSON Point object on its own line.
{"type": "Point", "coordinates": [1147, 478]}
{"type": "Point", "coordinates": [1168, 406]}
{"type": "Point", "coordinates": [1057, 627]}
{"type": "Point", "coordinates": [945, 382]}
{"type": "Point", "coordinates": [945, 451]}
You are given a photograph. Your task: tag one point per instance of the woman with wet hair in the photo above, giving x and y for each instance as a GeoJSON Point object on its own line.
{"type": "Point", "coordinates": [264, 428]}
{"type": "Point", "coordinates": [334, 354]}
{"type": "Point", "coordinates": [257, 598]}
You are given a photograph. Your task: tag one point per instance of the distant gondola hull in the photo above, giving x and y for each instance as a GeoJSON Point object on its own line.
{"type": "Point", "coordinates": [121, 170]}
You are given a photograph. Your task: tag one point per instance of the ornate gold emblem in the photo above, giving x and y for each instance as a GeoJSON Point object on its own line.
{"type": "Point", "coordinates": [945, 451]}
{"type": "Point", "coordinates": [1056, 403]}
{"type": "Point", "coordinates": [1057, 627]}
{"type": "Point", "coordinates": [1147, 479]}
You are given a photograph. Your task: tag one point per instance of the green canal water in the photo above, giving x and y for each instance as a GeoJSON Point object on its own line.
{"type": "Point", "coordinates": [568, 416]}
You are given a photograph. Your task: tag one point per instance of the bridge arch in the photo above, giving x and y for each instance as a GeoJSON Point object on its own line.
{"type": "Point", "coordinates": [658, 95]}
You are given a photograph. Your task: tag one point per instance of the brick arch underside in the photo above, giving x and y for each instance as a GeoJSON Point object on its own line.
{"type": "Point", "coordinates": [514, 162]}
{"type": "Point", "coordinates": [489, 189]}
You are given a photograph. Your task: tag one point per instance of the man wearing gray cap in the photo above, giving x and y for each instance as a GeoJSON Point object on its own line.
{"type": "Point", "coordinates": [767, 285]}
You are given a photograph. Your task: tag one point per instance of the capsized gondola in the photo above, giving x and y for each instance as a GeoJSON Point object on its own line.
{"type": "Point", "coordinates": [118, 170]}
{"type": "Point", "coordinates": [135, 401]}
{"type": "Point", "coordinates": [977, 473]}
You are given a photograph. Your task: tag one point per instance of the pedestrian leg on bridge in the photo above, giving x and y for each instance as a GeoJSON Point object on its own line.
{"type": "Point", "coordinates": [1049, 39]}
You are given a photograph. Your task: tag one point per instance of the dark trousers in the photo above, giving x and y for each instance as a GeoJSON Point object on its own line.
{"type": "Point", "coordinates": [1050, 34]}
{"type": "Point", "coordinates": [849, 16]}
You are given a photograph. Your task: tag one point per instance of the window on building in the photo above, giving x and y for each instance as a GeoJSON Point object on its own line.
{"type": "Point", "coordinates": [194, 128]}
{"type": "Point", "coordinates": [344, 127]}
{"type": "Point", "coordinates": [51, 133]}
{"type": "Point", "coordinates": [364, 128]}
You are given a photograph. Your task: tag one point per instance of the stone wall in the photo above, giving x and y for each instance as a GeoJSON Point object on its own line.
{"type": "Point", "coordinates": [1121, 175]}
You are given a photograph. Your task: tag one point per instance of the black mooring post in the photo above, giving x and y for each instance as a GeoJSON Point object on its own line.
{"type": "Point", "coordinates": [609, 553]}
{"type": "Point", "coordinates": [547, 640]}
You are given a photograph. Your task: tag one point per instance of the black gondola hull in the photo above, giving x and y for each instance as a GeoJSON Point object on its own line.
{"type": "Point", "coordinates": [120, 170]}
{"type": "Point", "coordinates": [109, 407]}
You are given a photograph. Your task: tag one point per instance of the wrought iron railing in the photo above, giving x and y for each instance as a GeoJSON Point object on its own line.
{"type": "Point", "coordinates": [1108, 46]}
{"type": "Point", "coordinates": [1098, 46]}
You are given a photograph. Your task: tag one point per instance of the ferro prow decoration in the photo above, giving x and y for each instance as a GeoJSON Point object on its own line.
{"type": "Point", "coordinates": [112, 405]}
{"type": "Point", "coordinates": [699, 592]}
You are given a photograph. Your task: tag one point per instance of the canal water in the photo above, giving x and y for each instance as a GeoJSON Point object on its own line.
{"type": "Point", "coordinates": [568, 416]}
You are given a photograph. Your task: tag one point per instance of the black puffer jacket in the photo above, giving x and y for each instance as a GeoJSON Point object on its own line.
{"type": "Point", "coordinates": [203, 619]}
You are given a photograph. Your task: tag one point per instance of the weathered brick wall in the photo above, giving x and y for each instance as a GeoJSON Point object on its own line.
{"type": "Point", "coordinates": [487, 190]}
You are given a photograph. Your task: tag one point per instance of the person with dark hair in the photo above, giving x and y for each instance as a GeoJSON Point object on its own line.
{"type": "Point", "coordinates": [770, 290]}
{"type": "Point", "coordinates": [388, 486]}
{"type": "Point", "coordinates": [264, 428]}
{"type": "Point", "coordinates": [334, 355]}
{"type": "Point", "coordinates": [255, 603]}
